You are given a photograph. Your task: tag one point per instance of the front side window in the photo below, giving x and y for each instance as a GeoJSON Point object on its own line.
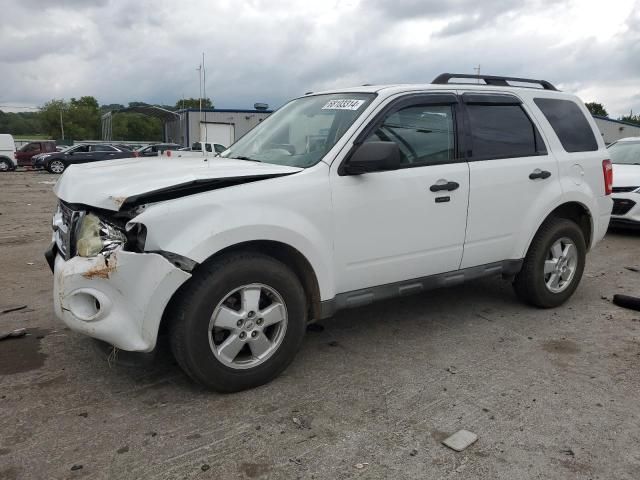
{"type": "Point", "coordinates": [625, 153]}
{"type": "Point", "coordinates": [569, 124]}
{"type": "Point", "coordinates": [425, 134]}
{"type": "Point", "coordinates": [502, 131]}
{"type": "Point", "coordinates": [303, 131]}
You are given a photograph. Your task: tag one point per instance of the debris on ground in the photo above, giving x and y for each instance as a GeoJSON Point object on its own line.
{"type": "Point", "coordinates": [460, 440]}
{"type": "Point", "coordinates": [13, 309]}
{"type": "Point", "coordinates": [627, 301]}
{"type": "Point", "coordinates": [205, 467]}
{"type": "Point", "coordinates": [18, 332]}
{"type": "Point", "coordinates": [76, 467]}
{"type": "Point", "coordinates": [30, 263]}
{"type": "Point", "coordinates": [633, 269]}
{"type": "Point", "coordinates": [301, 423]}
{"type": "Point", "coordinates": [568, 451]}
{"type": "Point", "coordinates": [453, 370]}
{"type": "Point", "coordinates": [413, 452]}
{"type": "Point", "coordinates": [360, 466]}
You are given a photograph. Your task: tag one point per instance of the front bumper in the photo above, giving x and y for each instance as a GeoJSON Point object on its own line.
{"type": "Point", "coordinates": [626, 209]}
{"type": "Point", "coordinates": [119, 298]}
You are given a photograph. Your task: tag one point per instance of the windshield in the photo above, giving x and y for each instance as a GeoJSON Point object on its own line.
{"type": "Point", "coordinates": [625, 152]}
{"type": "Point", "coordinates": [303, 131]}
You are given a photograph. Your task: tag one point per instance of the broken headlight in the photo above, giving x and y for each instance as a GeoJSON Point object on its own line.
{"type": "Point", "coordinates": [97, 236]}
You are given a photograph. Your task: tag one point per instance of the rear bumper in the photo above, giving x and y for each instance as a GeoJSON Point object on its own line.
{"type": "Point", "coordinates": [118, 299]}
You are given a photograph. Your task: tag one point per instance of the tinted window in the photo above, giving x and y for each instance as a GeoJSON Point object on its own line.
{"type": "Point", "coordinates": [103, 148]}
{"type": "Point", "coordinates": [219, 148]}
{"type": "Point", "coordinates": [207, 147]}
{"type": "Point", "coordinates": [425, 134]}
{"type": "Point", "coordinates": [502, 131]}
{"type": "Point", "coordinates": [569, 123]}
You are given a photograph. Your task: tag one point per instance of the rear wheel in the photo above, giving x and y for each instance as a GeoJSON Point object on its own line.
{"type": "Point", "coordinates": [239, 323]}
{"type": "Point", "coordinates": [554, 264]}
{"type": "Point", "coordinates": [56, 166]}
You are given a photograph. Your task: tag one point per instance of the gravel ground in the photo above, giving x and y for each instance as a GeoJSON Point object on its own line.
{"type": "Point", "coordinates": [551, 394]}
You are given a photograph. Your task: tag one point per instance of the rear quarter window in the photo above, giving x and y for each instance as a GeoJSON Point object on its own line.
{"type": "Point", "coordinates": [569, 124]}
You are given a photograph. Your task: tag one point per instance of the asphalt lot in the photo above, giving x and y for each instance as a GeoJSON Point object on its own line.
{"type": "Point", "coordinates": [551, 394]}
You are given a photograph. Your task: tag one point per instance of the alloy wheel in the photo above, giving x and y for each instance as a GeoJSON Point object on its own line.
{"type": "Point", "coordinates": [248, 326]}
{"type": "Point", "coordinates": [56, 166]}
{"type": "Point", "coordinates": [561, 264]}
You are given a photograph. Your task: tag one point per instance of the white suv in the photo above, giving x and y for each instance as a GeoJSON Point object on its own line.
{"type": "Point", "coordinates": [337, 200]}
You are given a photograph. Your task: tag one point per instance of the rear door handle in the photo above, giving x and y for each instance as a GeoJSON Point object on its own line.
{"type": "Point", "coordinates": [448, 186]}
{"type": "Point", "coordinates": [537, 173]}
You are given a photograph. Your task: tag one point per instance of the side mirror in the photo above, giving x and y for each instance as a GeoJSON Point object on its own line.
{"type": "Point", "coordinates": [373, 157]}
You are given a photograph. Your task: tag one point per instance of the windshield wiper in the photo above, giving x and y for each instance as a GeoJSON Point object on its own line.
{"type": "Point", "coordinates": [242, 157]}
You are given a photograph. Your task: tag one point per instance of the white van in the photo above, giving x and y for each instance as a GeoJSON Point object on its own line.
{"type": "Point", "coordinates": [7, 153]}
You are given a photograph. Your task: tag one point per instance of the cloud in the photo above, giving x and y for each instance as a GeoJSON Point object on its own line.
{"type": "Point", "coordinates": [259, 50]}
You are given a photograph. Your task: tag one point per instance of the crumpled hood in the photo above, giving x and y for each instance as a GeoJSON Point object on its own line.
{"type": "Point", "coordinates": [110, 184]}
{"type": "Point", "coordinates": [626, 175]}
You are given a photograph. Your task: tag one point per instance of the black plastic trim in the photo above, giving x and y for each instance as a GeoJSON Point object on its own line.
{"type": "Point", "coordinates": [490, 99]}
{"type": "Point", "coordinates": [365, 296]}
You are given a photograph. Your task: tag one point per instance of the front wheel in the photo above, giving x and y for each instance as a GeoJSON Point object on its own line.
{"type": "Point", "coordinates": [56, 166]}
{"type": "Point", "coordinates": [239, 322]}
{"type": "Point", "coordinates": [554, 264]}
{"type": "Point", "coordinates": [5, 165]}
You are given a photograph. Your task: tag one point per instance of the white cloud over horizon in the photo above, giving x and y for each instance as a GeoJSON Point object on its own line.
{"type": "Point", "coordinates": [269, 51]}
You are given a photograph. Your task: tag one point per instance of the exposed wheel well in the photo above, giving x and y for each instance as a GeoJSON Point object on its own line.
{"type": "Point", "coordinates": [579, 214]}
{"type": "Point", "coordinates": [285, 254]}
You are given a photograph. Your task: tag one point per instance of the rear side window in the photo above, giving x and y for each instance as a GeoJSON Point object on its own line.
{"type": "Point", "coordinates": [502, 131]}
{"type": "Point", "coordinates": [569, 123]}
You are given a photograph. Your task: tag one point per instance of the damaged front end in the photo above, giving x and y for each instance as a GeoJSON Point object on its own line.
{"type": "Point", "coordinates": [105, 285]}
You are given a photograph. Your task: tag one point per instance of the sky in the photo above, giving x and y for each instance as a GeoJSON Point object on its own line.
{"type": "Point", "coordinates": [273, 50]}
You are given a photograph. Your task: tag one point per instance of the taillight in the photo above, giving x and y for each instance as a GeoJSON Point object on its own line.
{"type": "Point", "coordinates": [136, 154]}
{"type": "Point", "coordinates": [607, 171]}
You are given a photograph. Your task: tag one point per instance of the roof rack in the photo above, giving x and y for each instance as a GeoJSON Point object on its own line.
{"type": "Point", "coordinates": [492, 80]}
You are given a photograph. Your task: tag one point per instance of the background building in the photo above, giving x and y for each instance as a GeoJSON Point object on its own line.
{"type": "Point", "coordinates": [614, 130]}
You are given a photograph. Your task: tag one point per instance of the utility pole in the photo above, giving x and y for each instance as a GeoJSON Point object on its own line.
{"type": "Point", "coordinates": [204, 92]}
{"type": "Point", "coordinates": [477, 70]}
{"type": "Point", "coordinates": [200, 99]}
{"type": "Point", "coordinates": [61, 124]}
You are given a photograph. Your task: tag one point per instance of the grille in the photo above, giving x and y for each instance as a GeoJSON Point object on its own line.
{"type": "Point", "coordinates": [65, 222]}
{"type": "Point", "coordinates": [624, 189]}
{"type": "Point", "coordinates": [621, 206]}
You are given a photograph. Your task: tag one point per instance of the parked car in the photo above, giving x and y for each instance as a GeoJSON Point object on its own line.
{"type": "Point", "coordinates": [337, 200]}
{"type": "Point", "coordinates": [28, 150]}
{"type": "Point", "coordinates": [625, 156]}
{"type": "Point", "coordinates": [7, 153]}
{"type": "Point", "coordinates": [208, 147]}
{"type": "Point", "coordinates": [153, 150]}
{"type": "Point", "coordinates": [57, 162]}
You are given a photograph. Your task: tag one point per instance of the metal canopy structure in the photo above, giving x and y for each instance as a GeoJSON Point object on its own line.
{"type": "Point", "coordinates": [150, 110]}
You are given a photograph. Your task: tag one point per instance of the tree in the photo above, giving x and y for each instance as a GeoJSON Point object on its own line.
{"type": "Point", "coordinates": [194, 103]}
{"type": "Point", "coordinates": [596, 109]}
{"type": "Point", "coordinates": [136, 127]}
{"type": "Point", "coordinates": [631, 118]}
{"type": "Point", "coordinates": [80, 118]}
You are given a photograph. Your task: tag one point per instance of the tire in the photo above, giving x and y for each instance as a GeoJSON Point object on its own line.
{"type": "Point", "coordinates": [213, 297]}
{"type": "Point", "coordinates": [56, 166]}
{"type": "Point", "coordinates": [539, 288]}
{"type": "Point", "coordinates": [6, 165]}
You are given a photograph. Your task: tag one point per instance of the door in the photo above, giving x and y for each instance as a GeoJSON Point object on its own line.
{"type": "Point", "coordinates": [223, 133]}
{"type": "Point", "coordinates": [408, 223]}
{"type": "Point", "coordinates": [512, 174]}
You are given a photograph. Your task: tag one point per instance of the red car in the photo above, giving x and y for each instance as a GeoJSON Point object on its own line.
{"type": "Point", "coordinates": [24, 153]}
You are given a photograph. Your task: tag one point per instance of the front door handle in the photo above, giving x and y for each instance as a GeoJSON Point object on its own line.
{"type": "Point", "coordinates": [537, 173]}
{"type": "Point", "coordinates": [448, 186]}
